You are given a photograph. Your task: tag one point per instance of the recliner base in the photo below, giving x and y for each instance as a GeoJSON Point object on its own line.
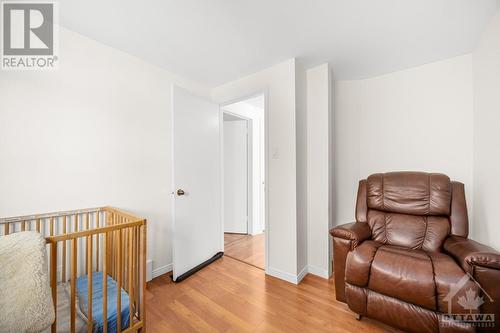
{"type": "Point", "coordinates": [399, 314]}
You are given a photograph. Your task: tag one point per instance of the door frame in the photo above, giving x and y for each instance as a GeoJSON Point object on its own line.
{"type": "Point", "coordinates": [265, 93]}
{"type": "Point", "coordinates": [249, 168]}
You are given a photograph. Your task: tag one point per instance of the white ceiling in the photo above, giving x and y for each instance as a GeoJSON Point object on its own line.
{"type": "Point", "coordinates": [215, 41]}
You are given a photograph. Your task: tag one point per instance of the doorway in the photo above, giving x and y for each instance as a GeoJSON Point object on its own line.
{"type": "Point", "coordinates": [244, 180]}
{"type": "Point", "coordinates": [198, 183]}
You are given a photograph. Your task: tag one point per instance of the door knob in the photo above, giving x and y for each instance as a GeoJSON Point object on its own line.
{"type": "Point", "coordinates": [180, 192]}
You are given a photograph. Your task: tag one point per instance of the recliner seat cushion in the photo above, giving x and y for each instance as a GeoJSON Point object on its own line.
{"type": "Point", "coordinates": [403, 274]}
{"type": "Point", "coordinates": [414, 276]}
{"type": "Point", "coordinates": [447, 275]}
{"type": "Point", "coordinates": [359, 263]}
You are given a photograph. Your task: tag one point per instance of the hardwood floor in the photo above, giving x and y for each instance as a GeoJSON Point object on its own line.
{"type": "Point", "coordinates": [230, 296]}
{"type": "Point", "coordinates": [230, 238]}
{"type": "Point", "coordinates": [247, 248]}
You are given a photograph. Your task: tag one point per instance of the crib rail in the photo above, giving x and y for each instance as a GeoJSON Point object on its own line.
{"type": "Point", "coordinates": [27, 218]}
{"type": "Point", "coordinates": [82, 242]}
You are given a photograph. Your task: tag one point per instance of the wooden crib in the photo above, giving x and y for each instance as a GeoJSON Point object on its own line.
{"type": "Point", "coordinates": [85, 243]}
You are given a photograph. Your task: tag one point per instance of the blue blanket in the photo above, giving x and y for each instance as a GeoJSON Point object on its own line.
{"type": "Point", "coordinates": [97, 302]}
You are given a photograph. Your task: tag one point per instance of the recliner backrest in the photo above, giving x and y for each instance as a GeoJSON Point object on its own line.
{"type": "Point", "coordinates": [415, 210]}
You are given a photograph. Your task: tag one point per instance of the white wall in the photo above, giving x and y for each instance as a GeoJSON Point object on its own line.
{"type": "Point", "coordinates": [318, 170]}
{"type": "Point", "coordinates": [257, 175]}
{"type": "Point", "coordinates": [95, 132]}
{"type": "Point", "coordinates": [106, 106]}
{"type": "Point", "coordinates": [279, 83]}
{"type": "Point", "coordinates": [98, 132]}
{"type": "Point", "coordinates": [301, 139]}
{"type": "Point", "coordinates": [416, 119]}
{"type": "Point", "coordinates": [486, 62]}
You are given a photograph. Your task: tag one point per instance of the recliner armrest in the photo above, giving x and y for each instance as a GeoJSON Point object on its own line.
{"type": "Point", "coordinates": [469, 253]}
{"type": "Point", "coordinates": [345, 238]}
{"type": "Point", "coordinates": [356, 232]}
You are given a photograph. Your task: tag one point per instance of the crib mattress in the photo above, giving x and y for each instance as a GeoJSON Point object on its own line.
{"type": "Point", "coordinates": [97, 302]}
{"type": "Point", "coordinates": [64, 312]}
{"type": "Point", "coordinates": [64, 309]}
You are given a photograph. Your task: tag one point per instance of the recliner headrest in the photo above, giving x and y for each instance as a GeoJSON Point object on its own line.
{"type": "Point", "coordinates": [416, 193]}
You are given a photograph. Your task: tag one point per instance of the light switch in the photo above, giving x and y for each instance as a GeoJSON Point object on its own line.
{"type": "Point", "coordinates": [275, 154]}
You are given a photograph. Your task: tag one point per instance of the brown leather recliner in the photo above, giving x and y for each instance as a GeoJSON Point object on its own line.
{"type": "Point", "coordinates": [404, 261]}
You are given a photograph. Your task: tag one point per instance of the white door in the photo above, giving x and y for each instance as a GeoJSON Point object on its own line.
{"type": "Point", "coordinates": [236, 176]}
{"type": "Point", "coordinates": [197, 231]}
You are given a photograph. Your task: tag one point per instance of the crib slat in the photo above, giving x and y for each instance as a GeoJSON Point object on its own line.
{"type": "Point", "coordinates": [53, 281]}
{"type": "Point", "coordinates": [52, 226]}
{"type": "Point", "coordinates": [139, 265]}
{"type": "Point", "coordinates": [124, 253]}
{"type": "Point", "coordinates": [98, 241]}
{"type": "Point", "coordinates": [117, 221]}
{"type": "Point", "coordinates": [89, 284]}
{"type": "Point", "coordinates": [143, 276]}
{"type": "Point", "coordinates": [119, 283]}
{"type": "Point", "coordinates": [23, 226]}
{"type": "Point", "coordinates": [105, 284]}
{"type": "Point", "coordinates": [113, 249]}
{"type": "Point", "coordinates": [64, 251]}
{"type": "Point", "coordinates": [6, 229]}
{"type": "Point", "coordinates": [120, 272]}
{"type": "Point", "coordinates": [110, 247]}
{"type": "Point", "coordinates": [137, 272]}
{"type": "Point", "coordinates": [86, 228]}
{"type": "Point", "coordinates": [74, 249]}
{"type": "Point", "coordinates": [130, 287]}
{"type": "Point", "coordinates": [37, 225]}
{"type": "Point", "coordinates": [134, 264]}
{"type": "Point", "coordinates": [124, 256]}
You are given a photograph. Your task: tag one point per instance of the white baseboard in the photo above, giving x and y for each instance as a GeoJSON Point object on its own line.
{"type": "Point", "coordinates": [295, 279]}
{"type": "Point", "coordinates": [149, 269]}
{"type": "Point", "coordinates": [282, 275]}
{"type": "Point", "coordinates": [318, 271]}
{"type": "Point", "coordinates": [161, 270]}
{"type": "Point", "coordinates": [303, 272]}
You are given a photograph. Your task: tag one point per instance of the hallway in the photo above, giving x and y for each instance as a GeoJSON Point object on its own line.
{"type": "Point", "coordinates": [246, 248]}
